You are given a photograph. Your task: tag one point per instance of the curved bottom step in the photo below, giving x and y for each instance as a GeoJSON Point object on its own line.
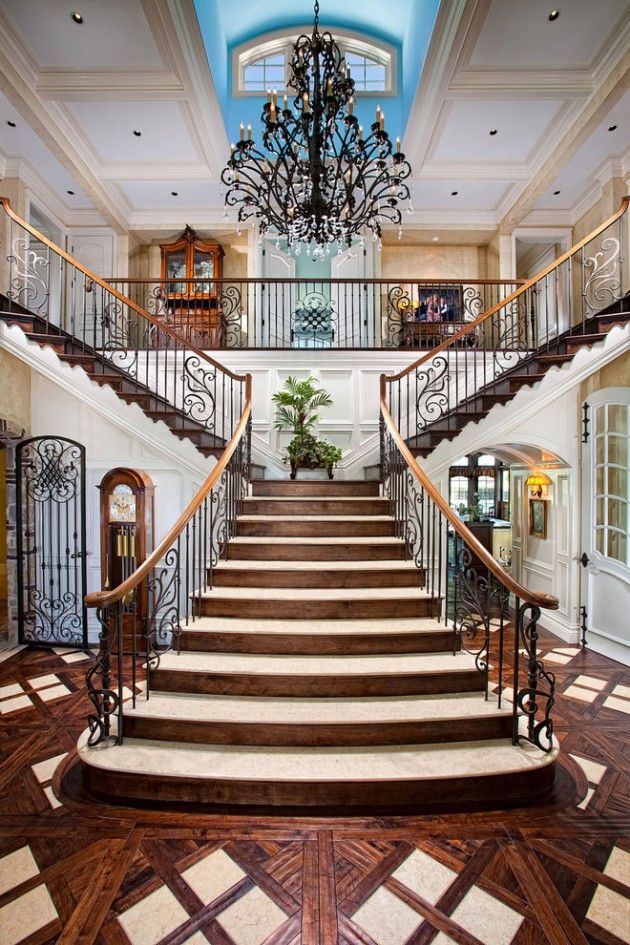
{"type": "Point", "coordinates": [397, 776]}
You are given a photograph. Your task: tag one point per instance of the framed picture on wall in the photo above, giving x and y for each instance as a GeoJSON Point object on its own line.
{"type": "Point", "coordinates": [439, 304]}
{"type": "Point", "coordinates": [537, 518]}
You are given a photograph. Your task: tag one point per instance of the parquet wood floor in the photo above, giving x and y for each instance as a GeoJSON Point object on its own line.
{"type": "Point", "coordinates": [77, 874]}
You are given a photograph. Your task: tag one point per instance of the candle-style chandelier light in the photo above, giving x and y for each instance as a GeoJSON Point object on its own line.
{"type": "Point", "coordinates": [320, 181]}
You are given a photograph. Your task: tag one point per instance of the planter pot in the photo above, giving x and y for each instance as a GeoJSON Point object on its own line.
{"type": "Point", "coordinates": [302, 473]}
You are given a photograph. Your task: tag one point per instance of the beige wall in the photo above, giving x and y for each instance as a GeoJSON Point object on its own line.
{"type": "Point", "coordinates": [14, 189]}
{"type": "Point", "coordinates": [15, 390]}
{"type": "Point", "coordinates": [612, 193]}
{"type": "Point", "coordinates": [615, 374]}
{"type": "Point", "coordinates": [408, 261]}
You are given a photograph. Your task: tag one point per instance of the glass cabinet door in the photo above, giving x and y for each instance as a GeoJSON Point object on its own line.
{"type": "Point", "coordinates": [176, 269]}
{"type": "Point", "coordinates": [203, 268]}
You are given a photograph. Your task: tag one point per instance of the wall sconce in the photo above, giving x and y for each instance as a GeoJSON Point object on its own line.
{"type": "Point", "coordinates": [538, 484]}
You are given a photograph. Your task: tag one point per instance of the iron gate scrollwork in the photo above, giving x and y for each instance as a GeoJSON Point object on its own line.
{"type": "Point", "coordinates": [51, 529]}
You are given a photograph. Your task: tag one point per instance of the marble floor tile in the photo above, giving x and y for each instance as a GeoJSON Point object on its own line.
{"type": "Point", "coordinates": [592, 769]}
{"type": "Point", "coordinates": [586, 799]}
{"type": "Point", "coordinates": [622, 691]}
{"type": "Point", "coordinates": [620, 705]}
{"type": "Point", "coordinates": [12, 690]}
{"type": "Point", "coordinates": [52, 800]}
{"type": "Point", "coordinates": [386, 918]}
{"type": "Point", "coordinates": [16, 868]}
{"type": "Point", "coordinates": [487, 918]}
{"type": "Point", "coordinates": [568, 650]}
{"type": "Point", "coordinates": [55, 692]}
{"type": "Point", "coordinates": [26, 915]}
{"type": "Point", "coordinates": [14, 704]}
{"type": "Point", "coordinates": [44, 770]}
{"type": "Point", "coordinates": [611, 911]}
{"type": "Point", "coordinates": [591, 682]}
{"type": "Point", "coordinates": [153, 917]}
{"type": "Point", "coordinates": [252, 918]}
{"type": "Point", "coordinates": [554, 657]}
{"type": "Point", "coordinates": [425, 876]}
{"type": "Point", "coordinates": [213, 875]}
{"type": "Point", "coordinates": [577, 692]}
{"type": "Point", "coordinates": [618, 865]}
{"type": "Point", "coordinates": [40, 682]}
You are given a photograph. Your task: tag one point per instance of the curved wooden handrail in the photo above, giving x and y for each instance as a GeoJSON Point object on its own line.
{"type": "Point", "coordinates": [547, 601]}
{"type": "Point", "coordinates": [109, 597]}
{"type": "Point", "coordinates": [6, 206]}
{"type": "Point", "coordinates": [471, 326]}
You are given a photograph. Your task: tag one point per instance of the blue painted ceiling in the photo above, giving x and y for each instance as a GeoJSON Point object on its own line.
{"type": "Point", "coordinates": [405, 24]}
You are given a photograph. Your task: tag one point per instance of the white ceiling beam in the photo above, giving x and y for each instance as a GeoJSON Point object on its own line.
{"type": "Point", "coordinates": [578, 131]}
{"type": "Point", "coordinates": [528, 83]}
{"type": "Point", "coordinates": [163, 170]}
{"type": "Point", "coordinates": [95, 86]}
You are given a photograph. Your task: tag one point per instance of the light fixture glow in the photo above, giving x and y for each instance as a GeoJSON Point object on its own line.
{"type": "Point", "coordinates": [538, 483]}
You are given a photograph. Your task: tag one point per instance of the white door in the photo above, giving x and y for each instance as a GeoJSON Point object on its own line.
{"type": "Point", "coordinates": [353, 302]}
{"type": "Point", "coordinates": [277, 299]}
{"type": "Point", "coordinates": [606, 523]}
{"type": "Point", "coordinates": [86, 304]}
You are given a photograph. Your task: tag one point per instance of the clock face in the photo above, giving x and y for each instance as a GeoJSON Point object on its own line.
{"type": "Point", "coordinates": [122, 505]}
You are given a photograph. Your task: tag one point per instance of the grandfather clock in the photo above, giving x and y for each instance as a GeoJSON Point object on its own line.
{"type": "Point", "coordinates": [127, 525]}
{"type": "Point", "coordinates": [193, 305]}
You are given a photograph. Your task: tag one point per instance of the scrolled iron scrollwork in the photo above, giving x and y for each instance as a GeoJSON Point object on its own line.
{"type": "Point", "coordinates": [314, 320]}
{"type": "Point", "coordinates": [104, 699]}
{"type": "Point", "coordinates": [163, 612]}
{"type": "Point", "coordinates": [231, 311]}
{"type": "Point", "coordinates": [53, 620]}
{"type": "Point", "coordinates": [116, 341]}
{"type": "Point", "coordinates": [199, 383]}
{"type": "Point", "coordinates": [471, 617]}
{"type": "Point", "coordinates": [539, 693]}
{"type": "Point", "coordinates": [602, 281]}
{"type": "Point", "coordinates": [51, 470]}
{"type": "Point", "coordinates": [398, 311]}
{"type": "Point", "coordinates": [431, 391]}
{"type": "Point", "coordinates": [29, 275]}
{"type": "Point", "coordinates": [414, 520]}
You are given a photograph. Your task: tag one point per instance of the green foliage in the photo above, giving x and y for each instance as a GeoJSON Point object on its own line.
{"type": "Point", "coordinates": [296, 407]}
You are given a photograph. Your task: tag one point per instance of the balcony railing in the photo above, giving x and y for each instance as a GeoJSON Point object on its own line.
{"type": "Point", "coordinates": [309, 313]}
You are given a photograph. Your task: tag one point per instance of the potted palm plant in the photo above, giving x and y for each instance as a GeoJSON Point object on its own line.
{"type": "Point", "coordinates": [296, 406]}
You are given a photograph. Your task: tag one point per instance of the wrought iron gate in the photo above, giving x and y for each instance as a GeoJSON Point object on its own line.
{"type": "Point", "coordinates": [52, 578]}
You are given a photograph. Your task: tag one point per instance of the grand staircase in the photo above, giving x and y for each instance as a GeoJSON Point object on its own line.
{"type": "Point", "coordinates": [314, 672]}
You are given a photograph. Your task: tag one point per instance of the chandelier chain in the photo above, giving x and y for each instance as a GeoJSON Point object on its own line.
{"type": "Point", "coordinates": [316, 19]}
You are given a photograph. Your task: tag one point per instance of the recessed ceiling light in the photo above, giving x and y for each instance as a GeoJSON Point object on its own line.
{"type": "Point", "coordinates": [454, 193]}
{"type": "Point", "coordinates": [11, 124]}
{"type": "Point", "coordinates": [612, 128]}
{"type": "Point", "coordinates": [137, 133]}
{"type": "Point", "coordinates": [494, 131]}
{"type": "Point", "coordinates": [436, 239]}
{"type": "Point", "coordinates": [556, 192]}
{"type": "Point", "coordinates": [71, 192]}
{"type": "Point", "coordinates": [174, 193]}
{"type": "Point", "coordinates": [553, 15]}
{"type": "Point", "coordinates": [77, 17]}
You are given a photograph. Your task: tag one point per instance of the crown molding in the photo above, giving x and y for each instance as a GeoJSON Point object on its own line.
{"type": "Point", "coordinates": [94, 86]}
{"type": "Point", "coordinates": [528, 83]}
{"type": "Point", "coordinates": [39, 187]}
{"type": "Point", "coordinates": [551, 218]}
{"type": "Point", "coordinates": [164, 170]}
{"type": "Point", "coordinates": [453, 22]}
{"type": "Point", "coordinates": [181, 29]}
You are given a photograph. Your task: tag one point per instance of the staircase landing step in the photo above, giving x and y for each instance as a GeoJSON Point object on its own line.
{"type": "Point", "coordinates": [385, 776]}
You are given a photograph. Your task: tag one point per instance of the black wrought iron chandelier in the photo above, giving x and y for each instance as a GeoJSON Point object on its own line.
{"type": "Point", "coordinates": [320, 181]}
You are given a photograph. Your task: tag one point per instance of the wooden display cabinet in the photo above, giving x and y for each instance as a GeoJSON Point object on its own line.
{"type": "Point", "coordinates": [192, 306]}
{"type": "Point", "coordinates": [127, 528]}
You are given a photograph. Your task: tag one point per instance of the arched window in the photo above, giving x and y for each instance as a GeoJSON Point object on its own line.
{"type": "Point", "coordinates": [263, 64]}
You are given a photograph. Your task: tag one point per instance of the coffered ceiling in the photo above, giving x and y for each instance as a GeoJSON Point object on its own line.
{"type": "Point", "coordinates": [77, 92]}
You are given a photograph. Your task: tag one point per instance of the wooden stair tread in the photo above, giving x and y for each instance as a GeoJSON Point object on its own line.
{"type": "Point", "coordinates": [379, 627]}
{"type": "Point", "coordinates": [356, 765]}
{"type": "Point", "coordinates": [256, 564]}
{"type": "Point", "coordinates": [300, 710]}
{"type": "Point", "coordinates": [194, 663]}
{"type": "Point", "coordinates": [315, 539]}
{"type": "Point", "coordinates": [299, 594]}
{"type": "Point", "coordinates": [315, 518]}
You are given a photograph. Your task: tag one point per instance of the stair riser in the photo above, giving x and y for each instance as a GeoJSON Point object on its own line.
{"type": "Point", "coordinates": [248, 684]}
{"type": "Point", "coordinates": [406, 577]}
{"type": "Point", "coordinates": [417, 795]}
{"type": "Point", "coordinates": [326, 489]}
{"type": "Point", "coordinates": [315, 529]}
{"type": "Point", "coordinates": [315, 507]}
{"type": "Point", "coordinates": [301, 644]}
{"type": "Point", "coordinates": [317, 735]}
{"type": "Point", "coordinates": [266, 551]}
{"type": "Point", "coordinates": [324, 609]}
